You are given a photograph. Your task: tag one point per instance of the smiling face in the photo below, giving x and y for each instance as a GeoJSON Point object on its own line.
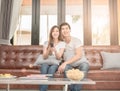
{"type": "Point", "coordinates": [65, 30]}
{"type": "Point", "coordinates": [55, 33]}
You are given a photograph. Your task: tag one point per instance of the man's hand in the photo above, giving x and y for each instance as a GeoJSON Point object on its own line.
{"type": "Point", "coordinates": [62, 68]}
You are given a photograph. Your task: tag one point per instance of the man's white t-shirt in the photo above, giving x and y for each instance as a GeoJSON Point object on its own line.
{"type": "Point", "coordinates": [70, 51]}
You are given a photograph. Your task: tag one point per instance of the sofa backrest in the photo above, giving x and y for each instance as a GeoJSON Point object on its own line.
{"type": "Point", "coordinates": [94, 56]}
{"type": "Point", "coordinates": [24, 56]}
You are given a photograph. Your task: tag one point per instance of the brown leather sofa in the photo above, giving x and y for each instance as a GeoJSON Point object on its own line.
{"type": "Point", "coordinates": [17, 60]}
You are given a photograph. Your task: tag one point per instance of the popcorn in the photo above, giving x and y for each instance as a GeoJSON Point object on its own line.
{"type": "Point", "coordinates": [74, 74]}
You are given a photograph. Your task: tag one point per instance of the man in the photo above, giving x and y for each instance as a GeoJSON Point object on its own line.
{"type": "Point", "coordinates": [73, 55]}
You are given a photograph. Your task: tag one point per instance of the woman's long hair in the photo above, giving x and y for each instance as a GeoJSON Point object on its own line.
{"type": "Point", "coordinates": [50, 40]}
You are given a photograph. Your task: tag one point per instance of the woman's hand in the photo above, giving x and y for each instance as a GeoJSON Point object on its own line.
{"type": "Point", "coordinates": [49, 50]}
{"type": "Point", "coordinates": [53, 49]}
{"type": "Point", "coordinates": [46, 52]}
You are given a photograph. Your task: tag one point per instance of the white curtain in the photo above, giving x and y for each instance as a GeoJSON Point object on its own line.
{"type": "Point", "coordinates": [7, 33]}
{"type": "Point", "coordinates": [15, 16]}
{"type": "Point", "coordinates": [0, 5]}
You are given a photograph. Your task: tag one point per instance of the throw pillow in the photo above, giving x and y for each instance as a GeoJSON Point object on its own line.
{"type": "Point", "coordinates": [110, 60]}
{"type": "Point", "coordinates": [50, 60]}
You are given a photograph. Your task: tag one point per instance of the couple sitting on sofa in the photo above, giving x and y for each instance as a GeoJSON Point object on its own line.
{"type": "Point", "coordinates": [53, 50]}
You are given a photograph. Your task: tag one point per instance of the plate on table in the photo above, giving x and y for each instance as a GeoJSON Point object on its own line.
{"type": "Point", "coordinates": [34, 77]}
{"type": "Point", "coordinates": [7, 76]}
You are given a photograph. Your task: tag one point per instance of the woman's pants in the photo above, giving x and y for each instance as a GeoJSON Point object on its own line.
{"type": "Point", "coordinates": [47, 69]}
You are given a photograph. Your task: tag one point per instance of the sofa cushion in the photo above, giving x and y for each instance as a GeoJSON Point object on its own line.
{"type": "Point", "coordinates": [110, 60]}
{"type": "Point", "coordinates": [104, 75]}
{"type": "Point", "coordinates": [50, 60]}
{"type": "Point", "coordinates": [20, 72]}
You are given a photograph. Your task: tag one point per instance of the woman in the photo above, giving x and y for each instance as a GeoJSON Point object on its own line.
{"type": "Point", "coordinates": [52, 52]}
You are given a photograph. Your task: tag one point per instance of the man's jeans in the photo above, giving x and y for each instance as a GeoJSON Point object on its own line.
{"type": "Point", "coordinates": [47, 69]}
{"type": "Point", "coordinates": [82, 67]}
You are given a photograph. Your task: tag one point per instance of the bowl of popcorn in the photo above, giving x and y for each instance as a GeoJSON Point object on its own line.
{"type": "Point", "coordinates": [75, 74]}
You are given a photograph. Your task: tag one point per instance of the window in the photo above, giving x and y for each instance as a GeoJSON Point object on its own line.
{"type": "Point", "coordinates": [22, 35]}
{"type": "Point", "coordinates": [48, 18]}
{"type": "Point", "coordinates": [75, 18]}
{"type": "Point", "coordinates": [90, 20]}
{"type": "Point", "coordinates": [100, 22]}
